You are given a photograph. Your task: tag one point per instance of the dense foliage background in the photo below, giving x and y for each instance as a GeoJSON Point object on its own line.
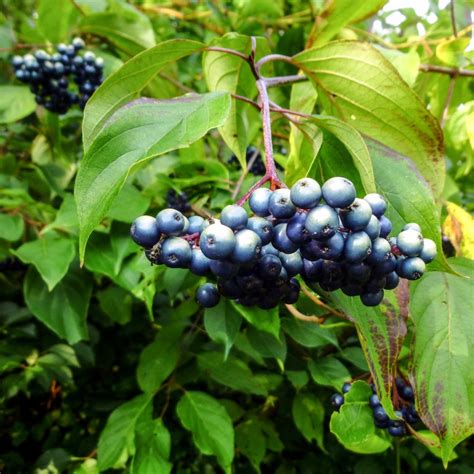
{"type": "Point", "coordinates": [114, 365]}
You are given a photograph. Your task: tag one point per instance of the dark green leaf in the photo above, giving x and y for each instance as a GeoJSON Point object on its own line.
{"type": "Point", "coordinates": [116, 303]}
{"type": "Point", "coordinates": [329, 371]}
{"type": "Point", "coordinates": [265, 320]}
{"type": "Point", "coordinates": [308, 334]}
{"type": "Point", "coordinates": [308, 415]}
{"type": "Point", "coordinates": [251, 442]}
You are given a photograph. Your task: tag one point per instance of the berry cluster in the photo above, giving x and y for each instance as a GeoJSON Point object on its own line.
{"type": "Point", "coordinates": [258, 166]}
{"type": "Point", "coordinates": [406, 414]}
{"type": "Point", "coordinates": [48, 75]}
{"type": "Point", "coordinates": [178, 201]}
{"type": "Point", "coordinates": [340, 243]}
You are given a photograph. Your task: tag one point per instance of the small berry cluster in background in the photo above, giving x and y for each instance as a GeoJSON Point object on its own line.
{"type": "Point", "coordinates": [340, 243]}
{"type": "Point", "coordinates": [178, 201]}
{"type": "Point", "coordinates": [257, 167]}
{"type": "Point", "coordinates": [406, 412]}
{"type": "Point", "coordinates": [48, 75]}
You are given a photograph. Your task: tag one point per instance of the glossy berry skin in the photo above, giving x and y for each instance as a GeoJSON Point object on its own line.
{"type": "Point", "coordinates": [234, 216]}
{"type": "Point", "coordinates": [385, 226]}
{"type": "Point", "coordinates": [346, 387]}
{"type": "Point", "coordinates": [357, 247]}
{"type": "Point", "coordinates": [357, 216]}
{"type": "Point", "coordinates": [195, 223]}
{"type": "Point", "coordinates": [280, 205]}
{"type": "Point", "coordinates": [380, 414]}
{"type": "Point", "coordinates": [411, 268]}
{"type": "Point", "coordinates": [374, 401]}
{"type": "Point", "coordinates": [223, 268]}
{"type": "Point", "coordinates": [338, 192]}
{"type": "Point", "coordinates": [170, 221]}
{"type": "Point", "coordinates": [296, 229]}
{"type": "Point", "coordinates": [217, 241]}
{"type": "Point", "coordinates": [407, 393]}
{"type": "Point", "coordinates": [281, 241]}
{"type": "Point", "coordinates": [410, 242]}
{"type": "Point", "coordinates": [176, 253]}
{"type": "Point", "coordinates": [305, 193]}
{"type": "Point", "coordinates": [293, 293]}
{"type": "Point", "coordinates": [396, 428]}
{"type": "Point", "coordinates": [359, 272]}
{"type": "Point", "coordinates": [337, 400]}
{"type": "Point", "coordinates": [312, 270]}
{"type": "Point", "coordinates": [322, 222]}
{"type": "Point", "coordinates": [199, 263]}
{"type": "Point", "coordinates": [247, 246]}
{"type": "Point", "coordinates": [412, 226]}
{"type": "Point", "coordinates": [262, 227]}
{"type": "Point", "coordinates": [372, 299]}
{"type": "Point", "coordinates": [207, 222]}
{"type": "Point", "coordinates": [144, 231]}
{"type": "Point", "coordinates": [391, 281]}
{"type": "Point", "coordinates": [381, 251]}
{"type": "Point", "coordinates": [429, 251]}
{"type": "Point", "coordinates": [208, 295]}
{"type": "Point", "coordinates": [352, 289]}
{"type": "Point", "coordinates": [372, 229]}
{"type": "Point", "coordinates": [292, 262]}
{"type": "Point", "coordinates": [78, 43]}
{"type": "Point", "coordinates": [269, 266]}
{"type": "Point", "coordinates": [259, 201]}
{"type": "Point", "coordinates": [269, 249]}
{"type": "Point", "coordinates": [377, 203]}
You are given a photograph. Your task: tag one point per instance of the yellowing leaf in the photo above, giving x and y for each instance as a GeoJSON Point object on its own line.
{"type": "Point", "coordinates": [459, 228]}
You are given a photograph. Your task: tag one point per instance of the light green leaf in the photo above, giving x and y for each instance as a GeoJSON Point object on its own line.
{"type": "Point", "coordinates": [137, 133]}
{"type": "Point", "coordinates": [407, 64]}
{"type": "Point", "coordinates": [222, 324]}
{"type": "Point", "coordinates": [308, 415]}
{"type": "Point", "coordinates": [354, 426]}
{"type": "Point", "coordinates": [11, 227]}
{"type": "Point", "coordinates": [56, 18]}
{"type": "Point", "coordinates": [356, 83]}
{"type": "Point", "coordinates": [210, 425]}
{"type": "Point", "coordinates": [64, 309]}
{"type": "Point", "coordinates": [308, 334]}
{"type": "Point", "coordinates": [16, 103]}
{"type": "Point", "coordinates": [51, 254]}
{"type": "Point", "coordinates": [117, 440]}
{"type": "Point", "coordinates": [128, 204]}
{"type": "Point", "coordinates": [159, 359]}
{"type": "Point", "coordinates": [329, 371]}
{"type": "Point", "coordinates": [265, 320]}
{"type": "Point", "coordinates": [442, 306]}
{"type": "Point", "coordinates": [127, 82]}
{"type": "Point", "coordinates": [452, 51]}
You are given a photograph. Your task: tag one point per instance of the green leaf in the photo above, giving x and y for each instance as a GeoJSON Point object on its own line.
{"type": "Point", "coordinates": [11, 227]}
{"type": "Point", "coordinates": [265, 320]}
{"type": "Point", "coordinates": [127, 28]}
{"type": "Point", "coordinates": [298, 378]}
{"type": "Point", "coordinates": [117, 440]}
{"type": "Point", "coordinates": [329, 371]}
{"type": "Point", "coordinates": [341, 13]}
{"type": "Point", "coordinates": [126, 83]}
{"type": "Point", "coordinates": [251, 442]}
{"type": "Point", "coordinates": [308, 334]}
{"type": "Point", "coordinates": [409, 197]}
{"type": "Point", "coordinates": [128, 204]}
{"type": "Point", "coordinates": [55, 19]}
{"type": "Point", "coordinates": [225, 72]}
{"type": "Point", "coordinates": [381, 330]}
{"type": "Point", "coordinates": [66, 218]}
{"type": "Point", "coordinates": [158, 360]}
{"type": "Point", "coordinates": [231, 372]}
{"type": "Point", "coordinates": [210, 425]}
{"type": "Point", "coordinates": [64, 309]}
{"type": "Point", "coordinates": [153, 444]}
{"type": "Point", "coordinates": [134, 135]}
{"type": "Point", "coordinates": [356, 83]}
{"type": "Point", "coordinates": [452, 51]}
{"type": "Point", "coordinates": [442, 306]}
{"type": "Point", "coordinates": [354, 426]}
{"type": "Point", "coordinates": [407, 64]}
{"type": "Point", "coordinates": [308, 415]}
{"type": "Point", "coordinates": [116, 303]}
{"type": "Point", "coordinates": [222, 324]}
{"type": "Point", "coordinates": [267, 345]}
{"type": "Point", "coordinates": [51, 255]}
{"type": "Point", "coordinates": [16, 103]}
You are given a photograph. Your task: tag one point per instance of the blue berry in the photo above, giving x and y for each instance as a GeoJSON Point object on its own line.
{"type": "Point", "coordinates": [195, 223]}
{"type": "Point", "coordinates": [385, 226]}
{"type": "Point", "coordinates": [381, 251]}
{"type": "Point", "coordinates": [144, 231]}
{"type": "Point", "coordinates": [357, 247]}
{"type": "Point", "coordinates": [199, 262]}
{"type": "Point", "coordinates": [391, 281]}
{"type": "Point", "coordinates": [346, 387]}
{"type": "Point", "coordinates": [296, 229]}
{"type": "Point", "coordinates": [374, 401]}
{"type": "Point", "coordinates": [208, 295]}
{"type": "Point", "coordinates": [359, 272]}
{"type": "Point", "coordinates": [280, 205]}
{"type": "Point", "coordinates": [337, 400]}
{"type": "Point", "coordinates": [305, 193]}
{"type": "Point", "coordinates": [223, 268]}
{"type": "Point", "coordinates": [262, 227]}
{"type": "Point", "coordinates": [217, 241]}
{"type": "Point", "coordinates": [170, 222]}
{"type": "Point", "coordinates": [380, 414]}
{"type": "Point", "coordinates": [385, 267]}
{"type": "Point", "coordinates": [338, 192]}
{"type": "Point", "coordinates": [312, 270]}
{"type": "Point", "coordinates": [410, 242]}
{"type": "Point", "coordinates": [269, 249]}
{"type": "Point", "coordinates": [259, 201]}
{"type": "Point", "coordinates": [372, 229]}
{"type": "Point", "coordinates": [322, 222]}
{"type": "Point", "coordinates": [78, 43]}
{"type": "Point", "coordinates": [234, 216]}
{"type": "Point", "coordinates": [281, 241]}
{"type": "Point", "coordinates": [269, 266]}
{"type": "Point", "coordinates": [357, 216]}
{"type": "Point", "coordinates": [352, 289]}
{"type": "Point", "coordinates": [17, 61]}
{"type": "Point", "coordinates": [207, 222]}
{"type": "Point", "coordinates": [372, 299]}
{"type": "Point", "coordinates": [429, 251]}
{"type": "Point", "coordinates": [396, 428]}
{"type": "Point", "coordinates": [292, 262]}
{"type": "Point", "coordinates": [176, 252]}
{"type": "Point", "coordinates": [377, 203]}
{"type": "Point", "coordinates": [247, 246]}
{"type": "Point", "coordinates": [411, 268]}
{"type": "Point", "coordinates": [412, 226]}
{"type": "Point", "coordinates": [407, 393]}
{"type": "Point", "coordinates": [293, 292]}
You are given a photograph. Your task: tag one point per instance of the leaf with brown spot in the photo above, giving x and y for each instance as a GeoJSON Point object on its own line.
{"type": "Point", "coordinates": [442, 308]}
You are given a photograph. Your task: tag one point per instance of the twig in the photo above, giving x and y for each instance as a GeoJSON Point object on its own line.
{"type": "Point", "coordinates": [271, 58]}
{"type": "Point", "coordinates": [450, 71]}
{"type": "Point", "coordinates": [303, 317]}
{"type": "Point", "coordinates": [217, 49]}
{"type": "Point", "coordinates": [282, 80]}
